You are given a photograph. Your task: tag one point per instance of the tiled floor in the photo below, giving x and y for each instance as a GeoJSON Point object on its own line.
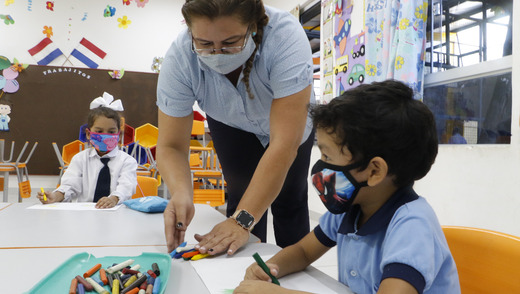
{"type": "Point", "coordinates": [327, 263]}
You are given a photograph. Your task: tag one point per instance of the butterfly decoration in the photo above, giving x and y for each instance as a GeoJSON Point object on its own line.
{"type": "Point", "coordinates": [109, 11]}
{"type": "Point", "coordinates": [7, 19]}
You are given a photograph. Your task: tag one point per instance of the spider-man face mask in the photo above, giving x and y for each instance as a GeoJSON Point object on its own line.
{"type": "Point", "coordinates": [336, 187]}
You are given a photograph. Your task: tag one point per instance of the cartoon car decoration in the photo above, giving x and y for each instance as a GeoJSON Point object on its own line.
{"type": "Point", "coordinates": [359, 46]}
{"type": "Point", "coordinates": [357, 74]}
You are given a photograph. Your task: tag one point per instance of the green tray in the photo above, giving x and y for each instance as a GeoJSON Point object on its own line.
{"type": "Point", "coordinates": [58, 281]}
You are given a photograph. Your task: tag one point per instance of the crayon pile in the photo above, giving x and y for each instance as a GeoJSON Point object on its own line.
{"type": "Point", "coordinates": [120, 278]}
{"type": "Point", "coordinates": [188, 252]}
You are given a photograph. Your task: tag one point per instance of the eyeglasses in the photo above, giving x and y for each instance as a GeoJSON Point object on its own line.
{"type": "Point", "coordinates": [223, 50]}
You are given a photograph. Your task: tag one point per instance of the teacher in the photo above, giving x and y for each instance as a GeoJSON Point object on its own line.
{"type": "Point", "coordinates": [249, 67]}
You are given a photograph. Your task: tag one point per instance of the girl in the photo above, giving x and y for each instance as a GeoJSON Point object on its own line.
{"type": "Point", "coordinates": [102, 174]}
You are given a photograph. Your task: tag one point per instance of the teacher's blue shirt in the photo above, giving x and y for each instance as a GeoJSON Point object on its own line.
{"type": "Point", "coordinates": [282, 67]}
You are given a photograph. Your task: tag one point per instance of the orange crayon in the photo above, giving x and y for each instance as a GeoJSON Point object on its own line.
{"type": "Point", "coordinates": [92, 271]}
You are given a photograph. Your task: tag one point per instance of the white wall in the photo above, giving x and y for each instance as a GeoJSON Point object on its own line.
{"type": "Point", "coordinates": [150, 34]}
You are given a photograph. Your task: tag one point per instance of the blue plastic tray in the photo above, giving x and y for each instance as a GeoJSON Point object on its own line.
{"type": "Point", "coordinates": [58, 281]}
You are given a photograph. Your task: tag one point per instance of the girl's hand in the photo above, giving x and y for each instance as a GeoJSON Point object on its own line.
{"type": "Point", "coordinates": [177, 217]}
{"type": "Point", "coordinates": [255, 272]}
{"type": "Point", "coordinates": [225, 236]}
{"type": "Point", "coordinates": [51, 197]}
{"type": "Point", "coordinates": [259, 287]}
{"type": "Point", "coordinates": [107, 202]}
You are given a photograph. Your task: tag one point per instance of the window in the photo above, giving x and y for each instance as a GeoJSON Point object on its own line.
{"type": "Point", "coordinates": [468, 70]}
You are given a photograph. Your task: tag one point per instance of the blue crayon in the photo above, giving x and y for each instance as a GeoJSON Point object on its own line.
{"type": "Point", "coordinates": [156, 286]}
{"type": "Point", "coordinates": [98, 280]}
{"type": "Point", "coordinates": [81, 289]}
{"type": "Point", "coordinates": [175, 250]}
{"type": "Point", "coordinates": [151, 280]}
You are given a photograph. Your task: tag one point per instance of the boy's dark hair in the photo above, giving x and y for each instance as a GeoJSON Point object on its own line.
{"type": "Point", "coordinates": [103, 111]}
{"type": "Point", "coordinates": [382, 119]}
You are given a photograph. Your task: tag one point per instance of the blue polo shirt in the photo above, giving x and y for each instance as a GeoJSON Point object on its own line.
{"type": "Point", "coordinates": [403, 239]}
{"type": "Point", "coordinates": [282, 67]}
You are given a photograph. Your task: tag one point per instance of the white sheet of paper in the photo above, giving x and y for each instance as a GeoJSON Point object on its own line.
{"type": "Point", "coordinates": [222, 274]}
{"type": "Point", "coordinates": [71, 206]}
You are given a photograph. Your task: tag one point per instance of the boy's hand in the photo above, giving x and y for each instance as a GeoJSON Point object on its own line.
{"type": "Point", "coordinates": [107, 202]}
{"type": "Point", "coordinates": [51, 197]}
{"type": "Point", "coordinates": [259, 287]}
{"type": "Point", "coordinates": [255, 272]}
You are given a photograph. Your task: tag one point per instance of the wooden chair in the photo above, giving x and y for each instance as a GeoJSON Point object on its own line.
{"type": "Point", "coordinates": [487, 261]}
{"type": "Point", "coordinates": [146, 186]}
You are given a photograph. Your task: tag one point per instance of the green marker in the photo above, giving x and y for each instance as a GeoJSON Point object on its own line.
{"type": "Point", "coordinates": [262, 264]}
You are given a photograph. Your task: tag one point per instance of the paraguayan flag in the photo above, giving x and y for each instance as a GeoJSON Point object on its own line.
{"type": "Point", "coordinates": [45, 52]}
{"type": "Point", "coordinates": [87, 53]}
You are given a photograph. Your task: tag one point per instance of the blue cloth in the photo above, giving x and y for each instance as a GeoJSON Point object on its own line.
{"type": "Point", "coordinates": [282, 67]}
{"type": "Point", "coordinates": [147, 204]}
{"type": "Point", "coordinates": [403, 239]}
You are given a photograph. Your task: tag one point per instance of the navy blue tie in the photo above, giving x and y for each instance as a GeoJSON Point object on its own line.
{"type": "Point", "coordinates": [103, 181]}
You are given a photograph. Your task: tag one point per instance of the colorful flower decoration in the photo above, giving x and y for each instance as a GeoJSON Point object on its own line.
{"type": "Point", "coordinates": [124, 22]}
{"type": "Point", "coordinates": [47, 30]}
{"type": "Point", "coordinates": [50, 5]}
{"type": "Point", "coordinates": [116, 74]}
{"type": "Point", "coordinates": [127, 2]}
{"type": "Point", "coordinates": [7, 19]}
{"type": "Point", "coordinates": [399, 61]}
{"type": "Point", "coordinates": [109, 11]}
{"type": "Point", "coordinates": [8, 2]}
{"type": "Point", "coordinates": [141, 3]}
{"type": "Point", "coordinates": [19, 66]}
{"type": "Point", "coordinates": [156, 65]}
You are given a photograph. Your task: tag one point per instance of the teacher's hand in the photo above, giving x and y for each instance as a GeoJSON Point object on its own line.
{"type": "Point", "coordinates": [227, 235]}
{"type": "Point", "coordinates": [177, 217]}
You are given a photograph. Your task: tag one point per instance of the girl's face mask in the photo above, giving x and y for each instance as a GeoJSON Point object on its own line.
{"type": "Point", "coordinates": [104, 142]}
{"type": "Point", "coordinates": [335, 185]}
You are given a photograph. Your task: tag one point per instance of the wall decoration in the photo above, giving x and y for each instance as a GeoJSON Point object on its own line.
{"type": "Point", "coordinates": [19, 66]}
{"type": "Point", "coordinates": [8, 2]}
{"type": "Point", "coordinates": [45, 52]}
{"type": "Point", "coordinates": [124, 22]}
{"type": "Point", "coordinates": [127, 2]}
{"type": "Point", "coordinates": [29, 5]}
{"type": "Point", "coordinates": [7, 19]}
{"type": "Point", "coordinates": [5, 110]}
{"type": "Point", "coordinates": [50, 5]}
{"type": "Point", "coordinates": [87, 53]}
{"type": "Point", "coordinates": [47, 30]}
{"type": "Point", "coordinates": [156, 65]}
{"type": "Point", "coordinates": [11, 85]}
{"type": "Point", "coordinates": [4, 62]}
{"type": "Point", "coordinates": [141, 3]}
{"type": "Point", "coordinates": [116, 74]}
{"type": "Point", "coordinates": [84, 18]}
{"type": "Point", "coordinates": [109, 11]}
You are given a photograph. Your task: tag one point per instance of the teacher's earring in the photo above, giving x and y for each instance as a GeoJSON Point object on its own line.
{"type": "Point", "coordinates": [253, 34]}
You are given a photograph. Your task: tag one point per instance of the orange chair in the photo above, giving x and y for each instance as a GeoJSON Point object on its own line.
{"type": "Point", "coordinates": [71, 149]}
{"type": "Point", "coordinates": [197, 130]}
{"type": "Point", "coordinates": [146, 186]}
{"type": "Point", "coordinates": [487, 261]}
{"type": "Point", "coordinates": [147, 135]}
{"type": "Point", "coordinates": [22, 173]}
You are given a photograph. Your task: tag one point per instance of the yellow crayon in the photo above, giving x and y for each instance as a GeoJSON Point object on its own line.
{"type": "Point", "coordinates": [44, 196]}
{"type": "Point", "coordinates": [200, 256]}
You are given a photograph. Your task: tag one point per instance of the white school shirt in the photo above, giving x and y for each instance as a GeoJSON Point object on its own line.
{"type": "Point", "coordinates": [80, 179]}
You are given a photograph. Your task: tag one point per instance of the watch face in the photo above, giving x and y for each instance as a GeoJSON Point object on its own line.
{"type": "Point", "coordinates": [245, 219]}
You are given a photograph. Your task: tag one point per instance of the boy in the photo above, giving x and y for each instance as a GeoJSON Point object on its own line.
{"type": "Point", "coordinates": [375, 141]}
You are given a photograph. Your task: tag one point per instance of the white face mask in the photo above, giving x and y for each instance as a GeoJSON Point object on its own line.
{"type": "Point", "coordinates": [226, 63]}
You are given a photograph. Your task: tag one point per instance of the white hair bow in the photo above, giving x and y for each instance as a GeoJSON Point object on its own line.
{"type": "Point", "coordinates": [107, 101]}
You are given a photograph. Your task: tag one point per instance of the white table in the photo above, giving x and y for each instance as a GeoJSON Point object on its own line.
{"type": "Point", "coordinates": [23, 268]}
{"type": "Point", "coordinates": [21, 227]}
{"type": "Point", "coordinates": [35, 242]}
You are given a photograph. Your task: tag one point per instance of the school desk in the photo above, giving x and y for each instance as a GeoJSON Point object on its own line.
{"type": "Point", "coordinates": [22, 268]}
{"type": "Point", "coordinates": [21, 227]}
